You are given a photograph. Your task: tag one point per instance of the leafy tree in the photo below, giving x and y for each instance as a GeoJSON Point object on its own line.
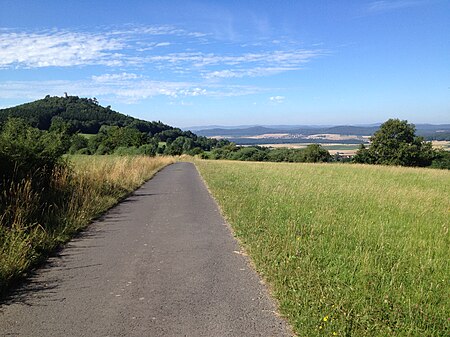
{"type": "Point", "coordinates": [77, 143]}
{"type": "Point", "coordinates": [363, 155]}
{"type": "Point", "coordinates": [280, 155]}
{"type": "Point", "coordinates": [111, 137]}
{"type": "Point", "coordinates": [395, 143]}
{"type": "Point", "coordinates": [250, 154]}
{"type": "Point", "coordinates": [219, 153]}
{"type": "Point", "coordinates": [195, 151]}
{"type": "Point", "coordinates": [314, 153]}
{"type": "Point", "coordinates": [188, 145]}
{"type": "Point", "coordinates": [175, 148]}
{"type": "Point", "coordinates": [149, 149]}
{"type": "Point", "coordinates": [441, 160]}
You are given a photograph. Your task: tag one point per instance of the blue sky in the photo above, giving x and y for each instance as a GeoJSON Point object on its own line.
{"type": "Point", "coordinates": [233, 62]}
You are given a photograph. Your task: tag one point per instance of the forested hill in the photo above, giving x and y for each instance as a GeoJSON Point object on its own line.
{"type": "Point", "coordinates": [83, 114]}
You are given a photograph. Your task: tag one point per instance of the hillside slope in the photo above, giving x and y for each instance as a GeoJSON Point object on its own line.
{"type": "Point", "coordinates": [83, 114]}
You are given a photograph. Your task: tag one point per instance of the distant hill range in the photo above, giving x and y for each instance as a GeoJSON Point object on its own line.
{"type": "Point", "coordinates": [313, 134]}
{"type": "Point", "coordinates": [87, 116]}
{"type": "Point", "coordinates": [83, 114]}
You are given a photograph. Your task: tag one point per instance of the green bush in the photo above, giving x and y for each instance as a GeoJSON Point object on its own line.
{"type": "Point", "coordinates": [77, 142]}
{"type": "Point", "coordinates": [149, 149]}
{"type": "Point", "coordinates": [442, 160]}
{"type": "Point", "coordinates": [29, 159]}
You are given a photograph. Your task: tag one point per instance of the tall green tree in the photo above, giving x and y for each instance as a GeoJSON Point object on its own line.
{"type": "Point", "coordinates": [396, 143]}
{"type": "Point", "coordinates": [315, 153]}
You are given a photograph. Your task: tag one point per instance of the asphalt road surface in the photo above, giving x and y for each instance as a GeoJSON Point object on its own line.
{"type": "Point", "coordinates": [161, 263]}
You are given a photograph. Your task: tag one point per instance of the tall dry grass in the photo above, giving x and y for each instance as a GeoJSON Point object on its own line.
{"type": "Point", "coordinates": [85, 188]}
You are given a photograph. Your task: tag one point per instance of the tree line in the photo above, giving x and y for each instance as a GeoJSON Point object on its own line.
{"type": "Point", "coordinates": [129, 140]}
{"type": "Point", "coordinates": [85, 127]}
{"type": "Point", "coordinates": [312, 153]}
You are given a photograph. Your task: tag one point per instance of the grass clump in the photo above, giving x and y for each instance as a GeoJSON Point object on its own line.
{"type": "Point", "coordinates": [82, 188]}
{"type": "Point", "coordinates": [348, 250]}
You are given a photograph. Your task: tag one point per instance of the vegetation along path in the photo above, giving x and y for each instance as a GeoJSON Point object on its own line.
{"type": "Point", "coordinates": [161, 263]}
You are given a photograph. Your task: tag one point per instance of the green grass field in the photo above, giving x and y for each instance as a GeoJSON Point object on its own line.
{"type": "Point", "coordinates": [343, 147]}
{"type": "Point", "coordinates": [348, 250]}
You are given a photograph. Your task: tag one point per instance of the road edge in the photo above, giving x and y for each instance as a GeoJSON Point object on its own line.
{"type": "Point", "coordinates": [249, 261]}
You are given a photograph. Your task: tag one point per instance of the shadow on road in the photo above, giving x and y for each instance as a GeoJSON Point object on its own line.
{"type": "Point", "coordinates": [37, 284]}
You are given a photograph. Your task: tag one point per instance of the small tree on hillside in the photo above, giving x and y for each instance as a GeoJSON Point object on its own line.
{"type": "Point", "coordinates": [395, 143]}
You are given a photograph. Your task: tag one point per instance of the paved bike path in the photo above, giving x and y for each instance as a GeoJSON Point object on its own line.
{"type": "Point", "coordinates": [161, 263]}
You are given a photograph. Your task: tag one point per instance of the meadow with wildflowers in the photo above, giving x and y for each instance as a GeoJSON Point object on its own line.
{"type": "Point", "coordinates": [347, 250]}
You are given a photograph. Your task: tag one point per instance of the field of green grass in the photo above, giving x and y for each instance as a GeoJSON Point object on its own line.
{"type": "Point", "coordinates": [347, 250]}
{"type": "Point", "coordinates": [343, 147]}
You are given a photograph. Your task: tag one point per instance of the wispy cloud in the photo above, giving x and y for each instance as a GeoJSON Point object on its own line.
{"type": "Point", "coordinates": [58, 49]}
{"type": "Point", "coordinates": [386, 5]}
{"type": "Point", "coordinates": [163, 44]}
{"type": "Point", "coordinates": [213, 66]}
{"type": "Point", "coordinates": [277, 99]}
{"type": "Point", "coordinates": [252, 72]}
{"type": "Point", "coordinates": [125, 92]}
{"type": "Point", "coordinates": [132, 63]}
{"type": "Point", "coordinates": [139, 46]}
{"type": "Point", "coordinates": [63, 48]}
{"type": "Point", "coordinates": [124, 88]}
{"type": "Point", "coordinates": [116, 78]}
{"type": "Point", "coordinates": [199, 59]}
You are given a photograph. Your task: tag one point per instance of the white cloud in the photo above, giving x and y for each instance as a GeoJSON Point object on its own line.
{"type": "Point", "coordinates": [125, 88]}
{"type": "Point", "coordinates": [182, 103]}
{"type": "Point", "coordinates": [238, 66]}
{"type": "Point", "coordinates": [132, 47]}
{"type": "Point", "coordinates": [252, 72]}
{"type": "Point", "coordinates": [146, 46]}
{"type": "Point", "coordinates": [162, 44]}
{"type": "Point", "coordinates": [64, 48]}
{"type": "Point", "coordinates": [129, 50]}
{"type": "Point", "coordinates": [59, 49]}
{"type": "Point", "coordinates": [131, 90]}
{"type": "Point", "coordinates": [115, 77]}
{"type": "Point", "coordinates": [385, 5]}
{"type": "Point", "coordinates": [277, 99]}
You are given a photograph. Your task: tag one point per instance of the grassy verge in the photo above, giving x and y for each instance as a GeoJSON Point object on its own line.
{"type": "Point", "coordinates": [91, 186]}
{"type": "Point", "coordinates": [348, 250]}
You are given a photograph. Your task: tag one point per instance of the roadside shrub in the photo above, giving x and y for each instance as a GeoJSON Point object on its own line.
{"type": "Point", "coordinates": [103, 149]}
{"type": "Point", "coordinates": [126, 151]}
{"type": "Point", "coordinates": [195, 151]}
{"type": "Point", "coordinates": [149, 149]}
{"type": "Point", "coordinates": [29, 157]}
